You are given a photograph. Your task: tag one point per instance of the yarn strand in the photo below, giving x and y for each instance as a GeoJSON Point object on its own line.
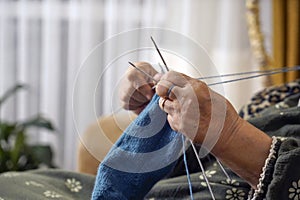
{"type": "Point", "coordinates": [186, 168]}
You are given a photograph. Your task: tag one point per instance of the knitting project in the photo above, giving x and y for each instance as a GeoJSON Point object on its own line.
{"type": "Point", "coordinates": [144, 154]}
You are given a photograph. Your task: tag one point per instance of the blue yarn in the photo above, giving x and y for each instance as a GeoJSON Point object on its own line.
{"type": "Point", "coordinates": [145, 153]}
{"type": "Point", "coordinates": [187, 169]}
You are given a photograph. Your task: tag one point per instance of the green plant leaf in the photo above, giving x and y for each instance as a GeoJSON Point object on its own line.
{"type": "Point", "coordinates": [42, 154]}
{"type": "Point", "coordinates": [15, 154]}
{"type": "Point", "coordinates": [39, 122]}
{"type": "Point", "coordinates": [4, 157]}
{"type": "Point", "coordinates": [6, 129]}
{"type": "Point", "coordinates": [11, 92]}
{"type": "Point", "coordinates": [17, 149]}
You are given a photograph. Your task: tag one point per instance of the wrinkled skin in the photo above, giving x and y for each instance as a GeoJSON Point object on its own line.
{"type": "Point", "coordinates": [192, 107]}
{"type": "Point", "coordinates": [136, 88]}
{"type": "Point", "coordinates": [189, 105]}
{"type": "Point", "coordinates": [202, 115]}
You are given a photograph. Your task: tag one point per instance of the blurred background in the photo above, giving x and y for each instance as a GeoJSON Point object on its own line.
{"type": "Point", "coordinates": [44, 44]}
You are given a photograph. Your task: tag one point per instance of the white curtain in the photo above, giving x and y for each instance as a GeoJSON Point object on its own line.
{"type": "Point", "coordinates": [50, 45]}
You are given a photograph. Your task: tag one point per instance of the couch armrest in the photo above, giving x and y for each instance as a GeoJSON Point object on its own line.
{"type": "Point", "coordinates": [98, 139]}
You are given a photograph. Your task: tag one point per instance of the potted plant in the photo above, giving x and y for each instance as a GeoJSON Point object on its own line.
{"type": "Point", "coordinates": [15, 152]}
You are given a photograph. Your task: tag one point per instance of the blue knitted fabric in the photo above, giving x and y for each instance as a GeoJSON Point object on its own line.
{"type": "Point", "coordinates": [144, 154]}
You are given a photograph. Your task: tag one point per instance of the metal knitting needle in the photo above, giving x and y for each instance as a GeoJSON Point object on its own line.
{"type": "Point", "coordinates": [203, 171]}
{"type": "Point", "coordinates": [156, 47]}
{"type": "Point", "coordinates": [206, 179]}
{"type": "Point", "coordinates": [262, 73]}
{"type": "Point", "coordinates": [142, 71]}
{"type": "Point", "coordinates": [231, 80]}
{"type": "Point", "coordinates": [161, 68]}
{"type": "Point", "coordinates": [223, 169]}
{"type": "Point", "coordinates": [256, 76]}
{"type": "Point", "coordinates": [251, 72]}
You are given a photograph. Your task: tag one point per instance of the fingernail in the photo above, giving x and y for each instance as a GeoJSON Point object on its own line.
{"type": "Point", "coordinates": [149, 96]}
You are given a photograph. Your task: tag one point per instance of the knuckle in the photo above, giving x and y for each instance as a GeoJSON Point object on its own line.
{"type": "Point", "coordinates": [170, 74]}
{"type": "Point", "coordinates": [146, 67]}
{"type": "Point", "coordinates": [143, 65]}
{"type": "Point", "coordinates": [173, 73]}
{"type": "Point", "coordinates": [199, 84]}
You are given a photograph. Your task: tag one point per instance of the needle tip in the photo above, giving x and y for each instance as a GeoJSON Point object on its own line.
{"type": "Point", "coordinates": [131, 64]}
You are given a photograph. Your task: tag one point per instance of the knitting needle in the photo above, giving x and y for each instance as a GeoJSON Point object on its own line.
{"type": "Point", "coordinates": [161, 68]}
{"type": "Point", "coordinates": [268, 73]}
{"type": "Point", "coordinates": [202, 169]}
{"type": "Point", "coordinates": [251, 72]}
{"type": "Point", "coordinates": [191, 142]}
{"type": "Point", "coordinates": [206, 179]}
{"type": "Point", "coordinates": [223, 169]}
{"type": "Point", "coordinates": [256, 76]}
{"type": "Point", "coordinates": [262, 73]}
{"type": "Point", "coordinates": [142, 71]}
{"type": "Point", "coordinates": [156, 47]}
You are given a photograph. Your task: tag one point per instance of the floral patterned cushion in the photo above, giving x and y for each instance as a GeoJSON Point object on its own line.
{"type": "Point", "coordinates": [269, 97]}
{"type": "Point", "coordinates": [45, 184]}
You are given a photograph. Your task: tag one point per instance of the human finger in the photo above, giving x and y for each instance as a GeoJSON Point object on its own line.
{"type": "Point", "coordinates": [139, 83]}
{"type": "Point", "coordinates": [132, 104]}
{"type": "Point", "coordinates": [176, 78]}
{"type": "Point", "coordinates": [167, 89]}
{"type": "Point", "coordinates": [168, 106]}
{"type": "Point", "coordinates": [131, 93]}
{"type": "Point", "coordinates": [143, 69]}
{"type": "Point", "coordinates": [146, 91]}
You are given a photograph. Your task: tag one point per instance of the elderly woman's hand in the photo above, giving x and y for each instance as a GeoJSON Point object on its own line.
{"type": "Point", "coordinates": [208, 118]}
{"type": "Point", "coordinates": [136, 88]}
{"type": "Point", "coordinates": [195, 110]}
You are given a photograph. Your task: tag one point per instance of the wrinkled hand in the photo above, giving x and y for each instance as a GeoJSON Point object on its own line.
{"type": "Point", "coordinates": [136, 88]}
{"type": "Point", "coordinates": [195, 110]}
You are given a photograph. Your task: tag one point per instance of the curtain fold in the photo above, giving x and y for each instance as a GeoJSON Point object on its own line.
{"type": "Point", "coordinates": [44, 43]}
{"type": "Point", "coordinates": [286, 37]}
{"type": "Point", "coordinates": [293, 37]}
